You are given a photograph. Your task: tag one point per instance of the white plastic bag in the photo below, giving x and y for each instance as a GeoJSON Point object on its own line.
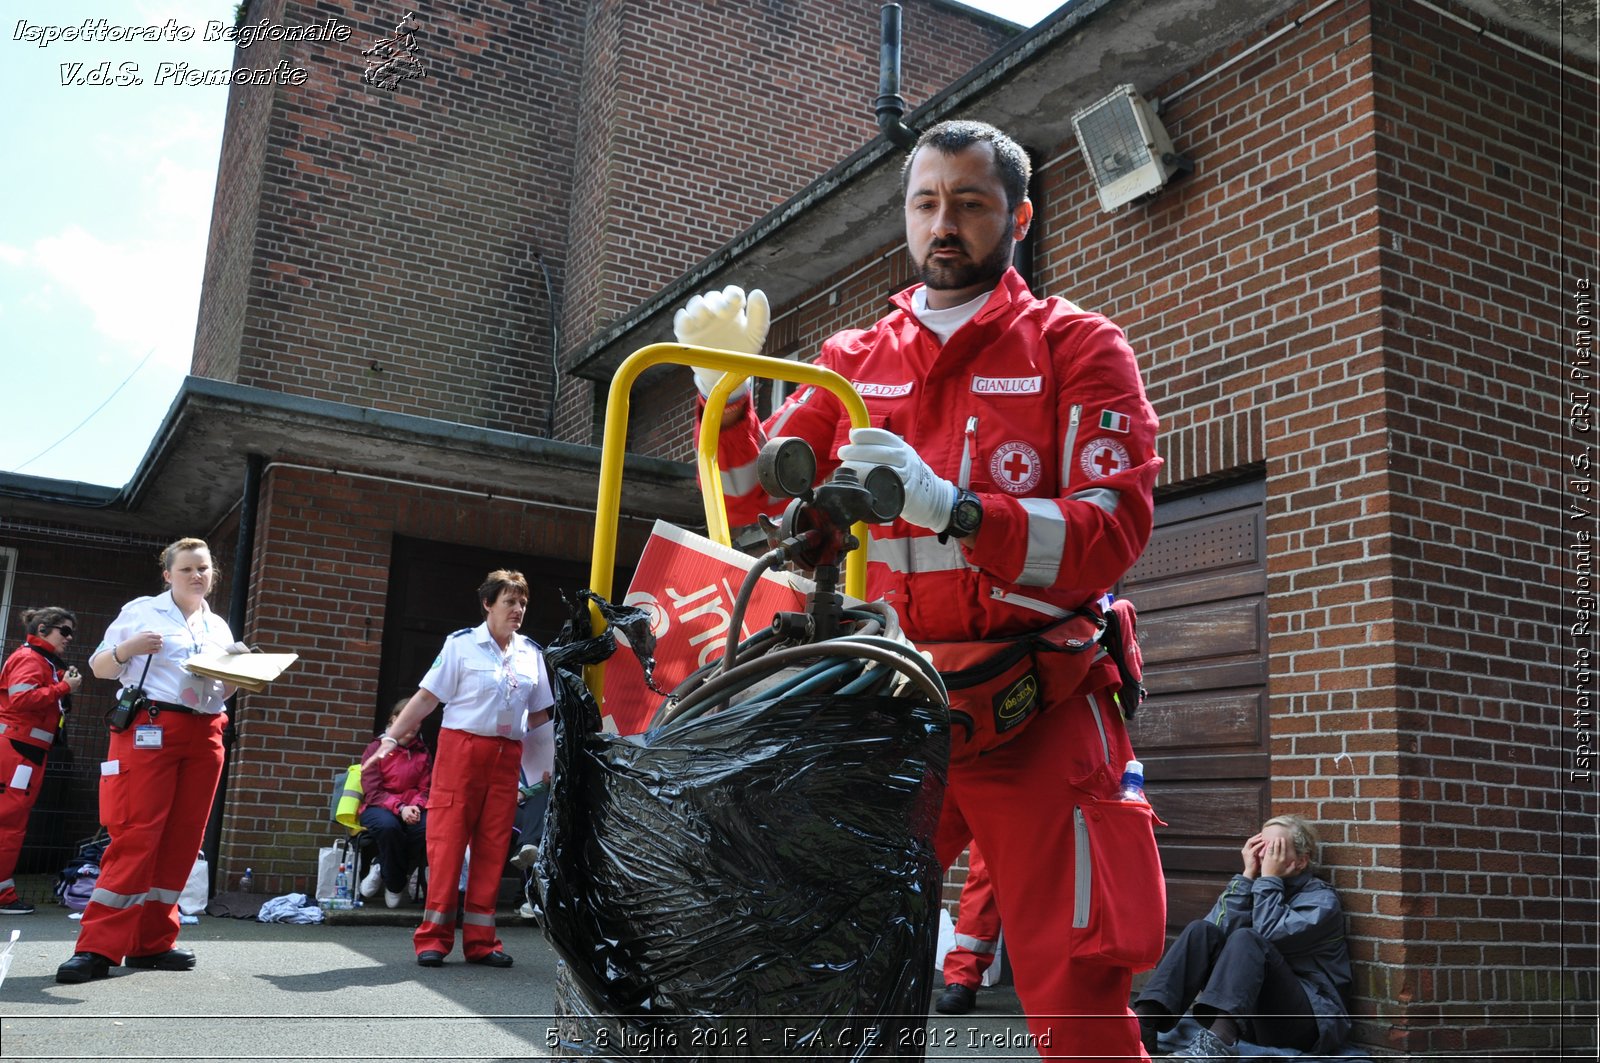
{"type": "Point", "coordinates": [5, 957]}
{"type": "Point", "coordinates": [328, 859]}
{"type": "Point", "coordinates": [197, 891]}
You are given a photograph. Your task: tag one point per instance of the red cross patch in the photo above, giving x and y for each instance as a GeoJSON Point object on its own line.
{"type": "Point", "coordinates": [1103, 457]}
{"type": "Point", "coordinates": [1014, 467]}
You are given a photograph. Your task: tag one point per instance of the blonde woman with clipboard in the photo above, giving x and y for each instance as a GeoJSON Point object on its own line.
{"type": "Point", "coordinates": [161, 771]}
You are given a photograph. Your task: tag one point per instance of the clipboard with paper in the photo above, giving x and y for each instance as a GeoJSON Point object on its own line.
{"type": "Point", "coordinates": [247, 671]}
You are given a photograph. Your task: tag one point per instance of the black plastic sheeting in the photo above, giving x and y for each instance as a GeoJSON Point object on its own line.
{"type": "Point", "coordinates": [758, 882]}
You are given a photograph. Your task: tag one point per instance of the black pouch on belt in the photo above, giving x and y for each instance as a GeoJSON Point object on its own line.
{"type": "Point", "coordinates": [130, 703]}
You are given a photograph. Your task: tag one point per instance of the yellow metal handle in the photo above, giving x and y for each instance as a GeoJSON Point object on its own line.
{"type": "Point", "coordinates": [613, 449]}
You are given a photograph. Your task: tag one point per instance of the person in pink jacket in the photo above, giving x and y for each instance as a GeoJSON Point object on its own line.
{"type": "Point", "coordinates": [394, 807]}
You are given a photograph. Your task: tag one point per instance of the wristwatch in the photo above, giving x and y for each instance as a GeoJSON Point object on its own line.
{"type": "Point", "coordinates": [965, 515]}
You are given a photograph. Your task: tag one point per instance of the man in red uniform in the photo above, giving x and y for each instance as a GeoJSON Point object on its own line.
{"type": "Point", "coordinates": [36, 688]}
{"type": "Point", "coordinates": [1020, 429]}
{"type": "Point", "coordinates": [977, 940]}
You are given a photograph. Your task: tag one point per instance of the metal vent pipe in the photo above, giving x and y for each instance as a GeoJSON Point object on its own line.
{"type": "Point", "coordinates": [890, 105]}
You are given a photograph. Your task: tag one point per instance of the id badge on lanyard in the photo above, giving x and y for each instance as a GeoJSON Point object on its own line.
{"type": "Point", "coordinates": [505, 717]}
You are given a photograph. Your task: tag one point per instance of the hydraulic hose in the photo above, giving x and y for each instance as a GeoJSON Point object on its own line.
{"type": "Point", "coordinates": [900, 658]}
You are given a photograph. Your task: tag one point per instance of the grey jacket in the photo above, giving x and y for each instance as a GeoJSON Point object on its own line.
{"type": "Point", "coordinates": [1302, 918]}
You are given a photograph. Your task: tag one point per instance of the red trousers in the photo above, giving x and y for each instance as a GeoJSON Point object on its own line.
{"type": "Point", "coordinates": [977, 927]}
{"type": "Point", "coordinates": [15, 805]}
{"type": "Point", "coordinates": [473, 801]}
{"type": "Point", "coordinates": [1017, 803]}
{"type": "Point", "coordinates": [155, 804]}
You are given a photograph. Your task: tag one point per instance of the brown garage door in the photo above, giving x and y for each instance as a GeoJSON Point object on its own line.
{"type": "Point", "coordinates": [1200, 589]}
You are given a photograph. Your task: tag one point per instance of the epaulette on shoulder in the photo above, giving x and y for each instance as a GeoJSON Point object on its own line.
{"type": "Point", "coordinates": [458, 634]}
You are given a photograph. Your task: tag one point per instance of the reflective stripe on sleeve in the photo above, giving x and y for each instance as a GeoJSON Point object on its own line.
{"type": "Point", "coordinates": [42, 735]}
{"type": "Point", "coordinates": [1047, 542]}
{"type": "Point", "coordinates": [21, 688]}
{"type": "Point", "coordinates": [740, 480]}
{"type": "Point", "coordinates": [919, 553]}
{"type": "Point", "coordinates": [1104, 497]}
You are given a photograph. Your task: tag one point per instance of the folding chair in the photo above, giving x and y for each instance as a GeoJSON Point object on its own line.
{"type": "Point", "coordinates": [343, 809]}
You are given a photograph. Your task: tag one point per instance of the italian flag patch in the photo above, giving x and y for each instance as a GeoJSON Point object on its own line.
{"type": "Point", "coordinates": [1112, 421]}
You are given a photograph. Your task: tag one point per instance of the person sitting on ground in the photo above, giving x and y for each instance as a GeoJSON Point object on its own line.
{"type": "Point", "coordinates": [394, 804]}
{"type": "Point", "coordinates": [1268, 964]}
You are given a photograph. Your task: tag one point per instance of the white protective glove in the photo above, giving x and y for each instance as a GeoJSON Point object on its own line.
{"type": "Point", "coordinates": [930, 498]}
{"type": "Point", "coordinates": [238, 647]}
{"type": "Point", "coordinates": [724, 321]}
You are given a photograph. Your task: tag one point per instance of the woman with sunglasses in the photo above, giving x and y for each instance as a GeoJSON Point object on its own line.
{"type": "Point", "coordinates": [160, 772]}
{"type": "Point", "coordinates": [36, 688]}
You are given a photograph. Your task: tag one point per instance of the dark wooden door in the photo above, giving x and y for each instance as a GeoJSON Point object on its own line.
{"type": "Point", "coordinates": [1200, 589]}
{"type": "Point", "coordinates": [433, 591]}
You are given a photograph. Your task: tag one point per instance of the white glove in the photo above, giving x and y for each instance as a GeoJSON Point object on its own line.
{"type": "Point", "coordinates": [930, 498]}
{"type": "Point", "coordinates": [724, 321]}
{"type": "Point", "coordinates": [238, 647]}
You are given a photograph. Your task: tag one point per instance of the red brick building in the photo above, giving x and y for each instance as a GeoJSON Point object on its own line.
{"type": "Point", "coordinates": [1365, 320]}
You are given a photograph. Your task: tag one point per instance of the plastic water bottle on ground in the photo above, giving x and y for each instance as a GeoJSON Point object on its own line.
{"type": "Point", "coordinates": [247, 880]}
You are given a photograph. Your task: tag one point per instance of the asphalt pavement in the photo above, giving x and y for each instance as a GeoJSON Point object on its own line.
{"type": "Point", "coordinates": [344, 991]}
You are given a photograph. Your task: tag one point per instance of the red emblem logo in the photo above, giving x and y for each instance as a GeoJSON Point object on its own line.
{"type": "Point", "coordinates": [1103, 457]}
{"type": "Point", "coordinates": [1015, 467]}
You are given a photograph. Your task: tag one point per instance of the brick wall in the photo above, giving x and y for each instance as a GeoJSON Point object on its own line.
{"type": "Point", "coordinates": [231, 245]}
{"type": "Point", "coordinates": [699, 120]}
{"type": "Point", "coordinates": [1486, 187]}
{"type": "Point", "coordinates": [399, 235]}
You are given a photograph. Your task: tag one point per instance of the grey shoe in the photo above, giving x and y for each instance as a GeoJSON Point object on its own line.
{"type": "Point", "coordinates": [1206, 1045]}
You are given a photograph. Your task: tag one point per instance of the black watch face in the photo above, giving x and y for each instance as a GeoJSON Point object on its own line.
{"type": "Point", "coordinates": [968, 513]}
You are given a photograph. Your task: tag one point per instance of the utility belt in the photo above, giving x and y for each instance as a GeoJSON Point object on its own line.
{"type": "Point", "coordinates": [158, 707]}
{"type": "Point", "coordinates": [999, 686]}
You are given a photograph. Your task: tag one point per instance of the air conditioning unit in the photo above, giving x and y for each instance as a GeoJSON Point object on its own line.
{"type": "Point", "coordinates": [1128, 150]}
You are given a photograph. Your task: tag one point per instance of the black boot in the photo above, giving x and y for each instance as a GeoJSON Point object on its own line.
{"type": "Point", "coordinates": [171, 960]}
{"type": "Point", "coordinates": [83, 967]}
{"type": "Point", "coordinates": [956, 999]}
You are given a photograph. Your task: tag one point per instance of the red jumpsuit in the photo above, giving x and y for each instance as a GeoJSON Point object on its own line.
{"type": "Point", "coordinates": [473, 800]}
{"type": "Point", "coordinates": [1037, 407]}
{"type": "Point", "coordinates": [157, 782]}
{"type": "Point", "coordinates": [32, 695]}
{"type": "Point", "coordinates": [977, 927]}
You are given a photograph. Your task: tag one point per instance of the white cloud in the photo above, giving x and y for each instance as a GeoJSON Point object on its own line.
{"type": "Point", "coordinates": [139, 295]}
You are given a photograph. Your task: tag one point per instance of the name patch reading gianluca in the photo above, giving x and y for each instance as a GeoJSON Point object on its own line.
{"type": "Point", "coordinates": [1007, 385]}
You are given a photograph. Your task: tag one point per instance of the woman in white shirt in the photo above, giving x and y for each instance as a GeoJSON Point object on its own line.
{"type": "Point", "coordinates": [493, 685]}
{"type": "Point", "coordinates": [160, 773]}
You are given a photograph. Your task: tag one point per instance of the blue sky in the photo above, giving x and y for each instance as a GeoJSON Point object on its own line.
{"type": "Point", "coordinates": [107, 194]}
